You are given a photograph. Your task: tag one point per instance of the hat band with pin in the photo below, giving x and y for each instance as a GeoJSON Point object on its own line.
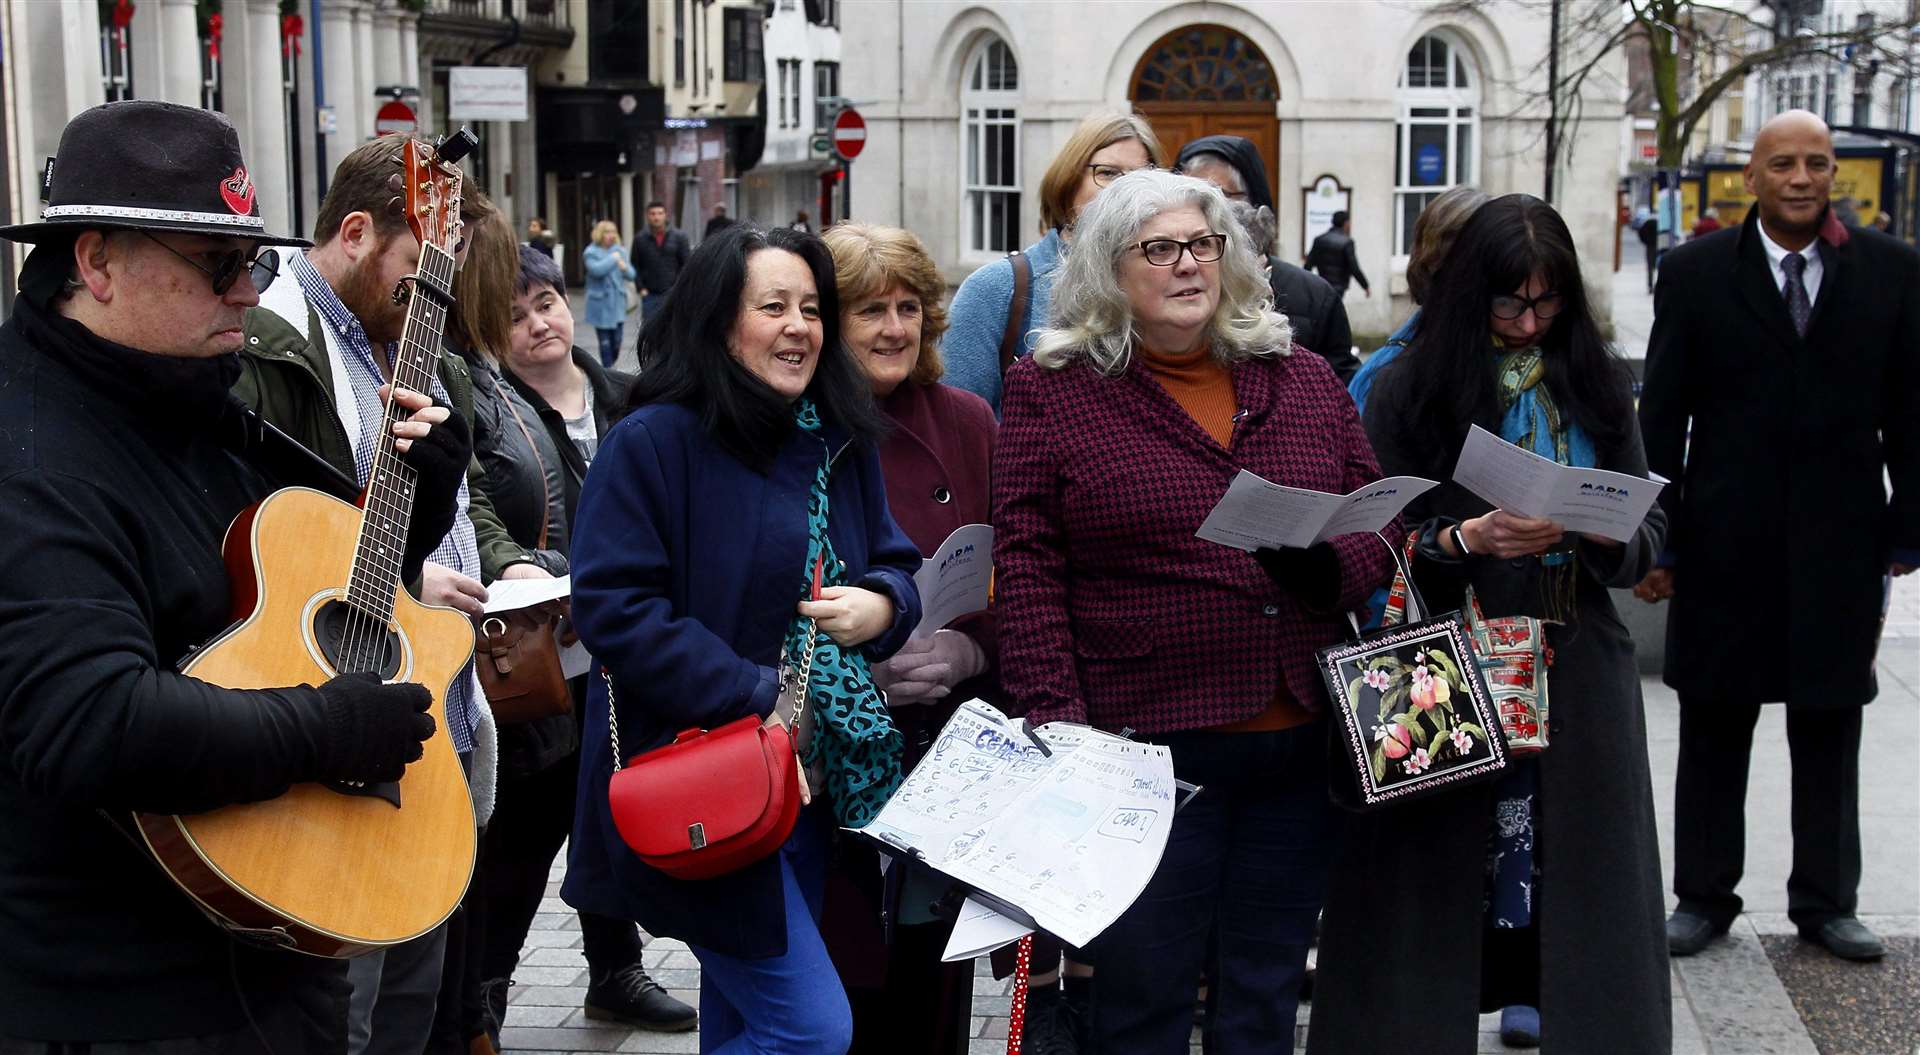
{"type": "Point", "coordinates": [106, 213]}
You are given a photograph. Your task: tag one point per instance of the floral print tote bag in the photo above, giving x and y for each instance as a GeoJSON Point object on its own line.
{"type": "Point", "coordinates": [1412, 713]}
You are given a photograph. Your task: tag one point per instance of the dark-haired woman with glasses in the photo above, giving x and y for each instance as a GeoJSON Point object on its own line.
{"type": "Point", "coordinates": [1165, 372]}
{"type": "Point", "coordinates": [1517, 895]}
{"type": "Point", "coordinates": [1106, 146]}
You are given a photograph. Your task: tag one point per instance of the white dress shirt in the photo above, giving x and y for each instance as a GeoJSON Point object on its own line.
{"type": "Point", "coordinates": [1777, 254]}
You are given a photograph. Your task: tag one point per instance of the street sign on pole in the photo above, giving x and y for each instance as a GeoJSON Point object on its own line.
{"type": "Point", "coordinates": [821, 144]}
{"type": "Point", "coordinates": [849, 133]}
{"type": "Point", "coordinates": [395, 116]}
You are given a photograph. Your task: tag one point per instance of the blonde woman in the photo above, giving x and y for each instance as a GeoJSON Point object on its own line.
{"type": "Point", "coordinates": [1164, 373]}
{"type": "Point", "coordinates": [608, 272]}
{"type": "Point", "coordinates": [1105, 147]}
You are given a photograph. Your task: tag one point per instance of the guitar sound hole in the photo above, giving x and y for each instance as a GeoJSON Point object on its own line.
{"type": "Point", "coordinates": [353, 641]}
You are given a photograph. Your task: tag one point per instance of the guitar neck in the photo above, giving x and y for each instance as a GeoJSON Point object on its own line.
{"type": "Point", "coordinates": [388, 507]}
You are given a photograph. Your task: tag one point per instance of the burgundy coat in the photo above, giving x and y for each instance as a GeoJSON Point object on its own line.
{"type": "Point", "coordinates": [937, 462]}
{"type": "Point", "coordinates": [1111, 611]}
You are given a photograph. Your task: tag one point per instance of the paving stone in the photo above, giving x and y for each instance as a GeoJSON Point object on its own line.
{"type": "Point", "coordinates": [541, 1038]}
{"type": "Point", "coordinates": [563, 957]}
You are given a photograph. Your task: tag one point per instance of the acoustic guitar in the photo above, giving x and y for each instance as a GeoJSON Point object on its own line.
{"type": "Point", "coordinates": [333, 869]}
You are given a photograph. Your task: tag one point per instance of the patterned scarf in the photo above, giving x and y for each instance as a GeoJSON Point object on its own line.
{"type": "Point", "coordinates": [1532, 420]}
{"type": "Point", "coordinates": [854, 740]}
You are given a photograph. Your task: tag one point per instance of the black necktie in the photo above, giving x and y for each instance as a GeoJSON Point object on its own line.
{"type": "Point", "coordinates": [1799, 305]}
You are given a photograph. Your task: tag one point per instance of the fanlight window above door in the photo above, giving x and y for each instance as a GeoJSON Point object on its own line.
{"type": "Point", "coordinates": [1205, 64]}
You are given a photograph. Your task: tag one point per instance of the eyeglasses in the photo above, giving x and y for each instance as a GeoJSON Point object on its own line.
{"type": "Point", "coordinates": [1545, 306]}
{"type": "Point", "coordinates": [226, 266]}
{"type": "Point", "coordinates": [1104, 175]}
{"type": "Point", "coordinates": [1165, 252]}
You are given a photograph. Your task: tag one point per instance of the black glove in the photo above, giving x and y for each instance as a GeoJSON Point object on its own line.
{"type": "Point", "coordinates": [440, 458]}
{"type": "Point", "coordinates": [1311, 574]}
{"type": "Point", "coordinates": [373, 729]}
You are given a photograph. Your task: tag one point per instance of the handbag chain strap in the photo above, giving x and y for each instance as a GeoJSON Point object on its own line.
{"type": "Point", "coordinates": [805, 672]}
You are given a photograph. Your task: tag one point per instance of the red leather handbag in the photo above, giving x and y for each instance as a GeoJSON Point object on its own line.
{"type": "Point", "coordinates": [714, 800]}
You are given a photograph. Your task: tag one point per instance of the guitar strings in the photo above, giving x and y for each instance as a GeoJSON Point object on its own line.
{"type": "Point", "coordinates": [364, 635]}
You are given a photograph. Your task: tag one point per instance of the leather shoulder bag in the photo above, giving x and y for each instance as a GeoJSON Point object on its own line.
{"type": "Point", "coordinates": [714, 800]}
{"type": "Point", "coordinates": [519, 666]}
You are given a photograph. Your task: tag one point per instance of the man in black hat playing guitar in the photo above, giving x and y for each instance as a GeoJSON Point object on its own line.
{"type": "Point", "coordinates": [123, 462]}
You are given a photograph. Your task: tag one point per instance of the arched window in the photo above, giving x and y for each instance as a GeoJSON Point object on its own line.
{"type": "Point", "coordinates": [990, 148]}
{"type": "Point", "coordinates": [1437, 140]}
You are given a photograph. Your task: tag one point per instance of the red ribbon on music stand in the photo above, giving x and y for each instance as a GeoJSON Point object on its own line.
{"type": "Point", "coordinates": [292, 28]}
{"type": "Point", "coordinates": [213, 37]}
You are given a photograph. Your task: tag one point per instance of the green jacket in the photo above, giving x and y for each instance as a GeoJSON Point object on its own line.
{"type": "Point", "coordinates": [286, 378]}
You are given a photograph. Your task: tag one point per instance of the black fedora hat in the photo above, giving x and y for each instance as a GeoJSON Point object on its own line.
{"type": "Point", "coordinates": [148, 166]}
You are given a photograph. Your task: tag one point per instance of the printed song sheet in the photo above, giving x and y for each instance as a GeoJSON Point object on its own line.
{"type": "Point", "coordinates": [955, 581]}
{"type": "Point", "coordinates": [1069, 837]}
{"type": "Point", "coordinates": [1593, 501]}
{"type": "Point", "coordinates": [1256, 512]}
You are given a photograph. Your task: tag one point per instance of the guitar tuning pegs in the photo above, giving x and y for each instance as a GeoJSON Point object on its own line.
{"type": "Point", "coordinates": [396, 207]}
{"type": "Point", "coordinates": [396, 183]}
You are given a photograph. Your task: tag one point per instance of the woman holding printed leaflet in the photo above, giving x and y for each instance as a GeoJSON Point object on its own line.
{"type": "Point", "coordinates": [1534, 885]}
{"type": "Point", "coordinates": [745, 472]}
{"type": "Point", "coordinates": [935, 460]}
{"type": "Point", "coordinates": [1163, 374]}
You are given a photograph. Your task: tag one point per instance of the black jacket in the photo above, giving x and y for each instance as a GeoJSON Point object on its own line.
{"type": "Point", "coordinates": [659, 264]}
{"type": "Point", "coordinates": [1334, 257]}
{"type": "Point", "coordinates": [1318, 318]}
{"type": "Point", "coordinates": [1782, 525]}
{"type": "Point", "coordinates": [526, 484]}
{"type": "Point", "coordinates": [609, 399]}
{"type": "Point", "coordinates": [116, 489]}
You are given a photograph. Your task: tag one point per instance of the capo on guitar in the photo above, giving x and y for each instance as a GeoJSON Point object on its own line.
{"type": "Point", "coordinates": [434, 293]}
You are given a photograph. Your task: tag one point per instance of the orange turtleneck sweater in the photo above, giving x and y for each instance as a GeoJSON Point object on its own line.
{"type": "Point", "coordinates": [1204, 389]}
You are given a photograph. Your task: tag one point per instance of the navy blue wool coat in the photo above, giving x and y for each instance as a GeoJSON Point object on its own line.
{"type": "Point", "coordinates": [687, 566]}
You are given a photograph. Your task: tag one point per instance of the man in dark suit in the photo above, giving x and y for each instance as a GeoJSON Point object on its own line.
{"type": "Point", "coordinates": [1333, 255]}
{"type": "Point", "coordinates": [1791, 346]}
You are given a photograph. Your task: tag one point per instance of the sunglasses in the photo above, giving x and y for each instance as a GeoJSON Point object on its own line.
{"type": "Point", "coordinates": [264, 266]}
{"type": "Point", "coordinates": [1545, 306]}
{"type": "Point", "coordinates": [1165, 252]}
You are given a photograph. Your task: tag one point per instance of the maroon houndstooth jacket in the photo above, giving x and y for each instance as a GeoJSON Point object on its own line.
{"type": "Point", "coordinates": [1111, 611]}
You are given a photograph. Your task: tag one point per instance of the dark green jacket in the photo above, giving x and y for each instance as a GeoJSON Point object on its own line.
{"type": "Point", "coordinates": [285, 376]}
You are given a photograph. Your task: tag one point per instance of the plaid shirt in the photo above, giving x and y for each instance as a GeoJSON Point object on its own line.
{"type": "Point", "coordinates": [458, 550]}
{"type": "Point", "coordinates": [1111, 611]}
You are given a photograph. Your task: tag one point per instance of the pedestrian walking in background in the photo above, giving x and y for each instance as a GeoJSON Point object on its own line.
{"type": "Point", "coordinates": [538, 236]}
{"type": "Point", "coordinates": [1648, 230]}
{"type": "Point", "coordinates": [990, 323]}
{"type": "Point", "coordinates": [608, 275]}
{"type": "Point", "coordinates": [1111, 612]}
{"type": "Point", "coordinates": [800, 223]}
{"type": "Point", "coordinates": [935, 459]}
{"type": "Point", "coordinates": [1783, 373]}
{"type": "Point", "coordinates": [1548, 878]}
{"type": "Point", "coordinates": [1312, 308]}
{"type": "Point", "coordinates": [748, 459]}
{"type": "Point", "coordinates": [660, 253]}
{"type": "Point", "coordinates": [1433, 233]}
{"type": "Point", "coordinates": [720, 221]}
{"type": "Point", "coordinates": [1335, 257]}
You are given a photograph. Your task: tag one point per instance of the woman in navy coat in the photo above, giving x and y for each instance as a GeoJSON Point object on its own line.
{"type": "Point", "coordinates": [694, 540]}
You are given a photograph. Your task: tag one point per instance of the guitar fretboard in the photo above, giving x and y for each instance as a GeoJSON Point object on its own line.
{"type": "Point", "coordinates": [390, 486]}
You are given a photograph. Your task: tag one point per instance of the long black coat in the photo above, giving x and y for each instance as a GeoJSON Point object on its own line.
{"type": "Point", "coordinates": [1782, 526]}
{"type": "Point", "coordinates": [1400, 949]}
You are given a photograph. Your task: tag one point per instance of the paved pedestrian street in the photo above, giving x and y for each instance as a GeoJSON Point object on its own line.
{"type": "Point", "coordinates": [1726, 1001]}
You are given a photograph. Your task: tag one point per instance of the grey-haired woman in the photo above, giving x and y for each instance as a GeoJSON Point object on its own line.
{"type": "Point", "coordinates": [1163, 374]}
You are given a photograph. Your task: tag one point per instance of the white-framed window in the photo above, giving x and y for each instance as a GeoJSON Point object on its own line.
{"type": "Point", "coordinates": [1437, 140]}
{"type": "Point", "coordinates": [990, 147]}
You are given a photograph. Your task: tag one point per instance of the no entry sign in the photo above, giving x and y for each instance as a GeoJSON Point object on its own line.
{"type": "Point", "coordinates": [395, 116]}
{"type": "Point", "coordinates": [849, 133]}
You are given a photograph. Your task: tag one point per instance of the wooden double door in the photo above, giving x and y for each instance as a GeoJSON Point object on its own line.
{"type": "Point", "coordinates": [1203, 80]}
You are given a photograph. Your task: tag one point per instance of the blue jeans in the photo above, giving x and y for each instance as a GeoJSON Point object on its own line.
{"type": "Point", "coordinates": [610, 343]}
{"type": "Point", "coordinates": [790, 1004]}
{"type": "Point", "coordinates": [1237, 893]}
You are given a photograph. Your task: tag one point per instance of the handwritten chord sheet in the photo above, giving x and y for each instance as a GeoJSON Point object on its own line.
{"type": "Point", "coordinates": [1069, 835]}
